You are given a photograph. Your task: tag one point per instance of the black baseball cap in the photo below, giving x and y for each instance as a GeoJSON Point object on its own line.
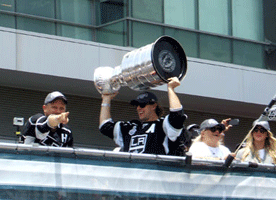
{"type": "Point", "coordinates": [53, 96]}
{"type": "Point", "coordinates": [145, 97]}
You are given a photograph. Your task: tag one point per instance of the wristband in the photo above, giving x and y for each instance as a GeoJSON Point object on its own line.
{"type": "Point", "coordinates": [105, 105]}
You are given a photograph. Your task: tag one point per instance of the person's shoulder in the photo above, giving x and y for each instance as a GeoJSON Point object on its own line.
{"type": "Point", "coordinates": [224, 148]}
{"type": "Point", "coordinates": [65, 128]}
{"type": "Point", "coordinates": [35, 117]}
{"type": "Point", "coordinates": [197, 144]}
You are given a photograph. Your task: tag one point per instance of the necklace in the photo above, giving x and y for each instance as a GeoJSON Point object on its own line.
{"type": "Point", "coordinates": [214, 150]}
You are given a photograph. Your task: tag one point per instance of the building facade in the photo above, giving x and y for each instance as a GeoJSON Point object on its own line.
{"type": "Point", "coordinates": [51, 45]}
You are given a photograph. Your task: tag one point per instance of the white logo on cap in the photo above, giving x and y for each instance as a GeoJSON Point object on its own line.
{"type": "Point", "coordinates": [142, 96]}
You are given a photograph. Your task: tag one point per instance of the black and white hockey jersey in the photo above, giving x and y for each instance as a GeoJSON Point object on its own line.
{"type": "Point", "coordinates": [154, 137]}
{"type": "Point", "coordinates": [37, 130]}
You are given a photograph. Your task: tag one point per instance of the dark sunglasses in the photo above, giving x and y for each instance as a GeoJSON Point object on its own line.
{"type": "Point", "coordinates": [214, 129]}
{"type": "Point", "coordinates": [262, 130]}
{"type": "Point", "coordinates": [143, 105]}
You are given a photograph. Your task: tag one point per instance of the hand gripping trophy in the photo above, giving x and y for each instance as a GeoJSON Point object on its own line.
{"type": "Point", "coordinates": [144, 68]}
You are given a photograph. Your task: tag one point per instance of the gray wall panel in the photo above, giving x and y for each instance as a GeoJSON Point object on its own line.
{"type": "Point", "coordinates": [7, 49]}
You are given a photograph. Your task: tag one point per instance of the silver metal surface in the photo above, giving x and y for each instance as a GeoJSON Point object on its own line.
{"type": "Point", "coordinates": [144, 68]}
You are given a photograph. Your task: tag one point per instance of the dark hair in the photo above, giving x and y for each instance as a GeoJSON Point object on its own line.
{"type": "Point", "coordinates": [159, 110]}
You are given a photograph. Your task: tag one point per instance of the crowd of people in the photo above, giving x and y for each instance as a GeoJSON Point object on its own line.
{"type": "Point", "coordinates": [153, 133]}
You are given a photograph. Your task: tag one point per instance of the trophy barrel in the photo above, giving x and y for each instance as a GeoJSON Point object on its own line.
{"type": "Point", "coordinates": [141, 69]}
{"type": "Point", "coordinates": [153, 64]}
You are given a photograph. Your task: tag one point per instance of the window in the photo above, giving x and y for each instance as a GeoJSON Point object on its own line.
{"type": "Point", "coordinates": [79, 11]}
{"type": "Point", "coordinates": [151, 10]}
{"type": "Point", "coordinates": [213, 16]}
{"type": "Point", "coordinates": [111, 10]}
{"type": "Point", "coordinates": [43, 8]}
{"type": "Point", "coordinates": [144, 34]}
{"type": "Point", "coordinates": [180, 13]}
{"type": "Point", "coordinates": [248, 19]}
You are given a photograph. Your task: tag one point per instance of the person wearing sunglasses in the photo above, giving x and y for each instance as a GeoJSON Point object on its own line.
{"type": "Point", "coordinates": [207, 144]}
{"type": "Point", "coordinates": [260, 145]}
{"type": "Point", "coordinates": [152, 133]}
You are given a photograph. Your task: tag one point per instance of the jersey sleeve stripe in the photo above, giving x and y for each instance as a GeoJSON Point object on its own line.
{"type": "Point", "coordinates": [117, 135]}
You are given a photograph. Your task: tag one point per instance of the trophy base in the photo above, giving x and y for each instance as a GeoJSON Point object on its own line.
{"type": "Point", "coordinates": [169, 58]}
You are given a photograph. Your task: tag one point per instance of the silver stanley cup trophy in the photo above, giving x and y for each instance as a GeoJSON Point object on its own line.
{"type": "Point", "coordinates": [144, 68]}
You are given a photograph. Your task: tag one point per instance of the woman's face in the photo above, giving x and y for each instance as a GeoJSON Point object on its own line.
{"type": "Point", "coordinates": [259, 134]}
{"type": "Point", "coordinates": [213, 134]}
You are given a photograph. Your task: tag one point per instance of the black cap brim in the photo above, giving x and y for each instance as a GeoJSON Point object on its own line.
{"type": "Point", "coordinates": [136, 102]}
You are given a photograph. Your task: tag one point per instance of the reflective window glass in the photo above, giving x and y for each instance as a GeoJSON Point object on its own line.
{"type": "Point", "coordinates": [111, 10]}
{"type": "Point", "coordinates": [144, 34]}
{"type": "Point", "coordinates": [79, 11]}
{"type": "Point", "coordinates": [7, 5]}
{"type": "Point", "coordinates": [148, 9]}
{"type": "Point", "coordinates": [188, 40]}
{"type": "Point", "coordinates": [248, 19]}
{"type": "Point", "coordinates": [215, 48]}
{"type": "Point", "coordinates": [112, 34]}
{"type": "Point", "coordinates": [74, 32]}
{"type": "Point", "coordinates": [248, 54]}
{"type": "Point", "coordinates": [213, 16]}
{"type": "Point", "coordinates": [7, 21]}
{"type": "Point", "coordinates": [269, 13]}
{"type": "Point", "coordinates": [180, 13]}
{"type": "Point", "coordinates": [35, 25]}
{"type": "Point", "coordinates": [45, 8]}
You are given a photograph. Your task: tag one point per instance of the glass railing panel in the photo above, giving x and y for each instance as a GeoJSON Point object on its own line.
{"type": "Point", "coordinates": [248, 54]}
{"type": "Point", "coordinates": [7, 21]}
{"type": "Point", "coordinates": [35, 25]}
{"type": "Point", "coordinates": [215, 48]}
{"type": "Point", "coordinates": [74, 32]}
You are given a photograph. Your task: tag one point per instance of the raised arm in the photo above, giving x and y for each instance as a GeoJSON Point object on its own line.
{"type": "Point", "coordinates": [173, 122]}
{"type": "Point", "coordinates": [105, 113]}
{"type": "Point", "coordinates": [173, 98]}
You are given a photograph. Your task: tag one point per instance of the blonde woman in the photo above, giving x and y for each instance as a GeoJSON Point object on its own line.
{"type": "Point", "coordinates": [207, 145]}
{"type": "Point", "coordinates": [260, 146]}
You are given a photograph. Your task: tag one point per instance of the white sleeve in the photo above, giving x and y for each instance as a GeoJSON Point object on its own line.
{"type": "Point", "coordinates": [199, 150]}
{"type": "Point", "coordinates": [225, 150]}
{"type": "Point", "coordinates": [170, 131]}
{"type": "Point", "coordinates": [40, 135]}
{"type": "Point", "coordinates": [29, 140]}
{"type": "Point", "coordinates": [117, 135]}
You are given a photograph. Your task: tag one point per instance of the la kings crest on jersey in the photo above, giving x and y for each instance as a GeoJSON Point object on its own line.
{"type": "Point", "coordinates": [138, 141]}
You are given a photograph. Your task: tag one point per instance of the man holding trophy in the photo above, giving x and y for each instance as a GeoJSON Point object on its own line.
{"type": "Point", "coordinates": [152, 65]}
{"type": "Point", "coordinates": [152, 134]}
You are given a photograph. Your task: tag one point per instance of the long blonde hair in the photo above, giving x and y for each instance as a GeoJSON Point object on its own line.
{"type": "Point", "coordinates": [270, 146]}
